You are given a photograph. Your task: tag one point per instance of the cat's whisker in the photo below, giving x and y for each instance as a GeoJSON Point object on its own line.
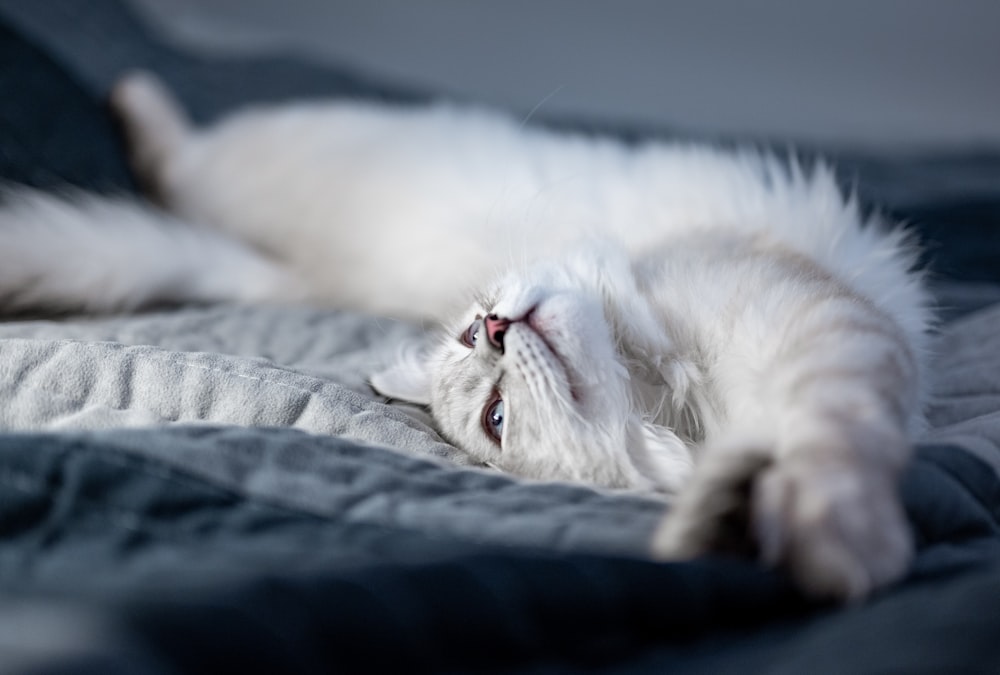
{"type": "Point", "coordinates": [538, 106]}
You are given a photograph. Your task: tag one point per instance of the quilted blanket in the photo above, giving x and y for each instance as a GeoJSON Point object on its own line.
{"type": "Point", "coordinates": [347, 535]}
{"type": "Point", "coordinates": [217, 489]}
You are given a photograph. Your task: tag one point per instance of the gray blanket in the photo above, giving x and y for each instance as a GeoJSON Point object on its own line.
{"type": "Point", "coordinates": [262, 367]}
{"type": "Point", "coordinates": [306, 369]}
{"type": "Point", "coordinates": [301, 369]}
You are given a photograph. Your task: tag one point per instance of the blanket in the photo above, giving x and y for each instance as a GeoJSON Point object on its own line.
{"type": "Point", "coordinates": [212, 489]}
{"type": "Point", "coordinates": [192, 548]}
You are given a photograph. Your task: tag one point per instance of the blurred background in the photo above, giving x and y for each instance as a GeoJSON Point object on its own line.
{"type": "Point", "coordinates": [885, 74]}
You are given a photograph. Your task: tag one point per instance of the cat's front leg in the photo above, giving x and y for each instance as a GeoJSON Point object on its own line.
{"type": "Point", "coordinates": [827, 416]}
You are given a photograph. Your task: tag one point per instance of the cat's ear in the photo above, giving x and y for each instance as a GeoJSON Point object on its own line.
{"type": "Point", "coordinates": [407, 379]}
{"type": "Point", "coordinates": [659, 455]}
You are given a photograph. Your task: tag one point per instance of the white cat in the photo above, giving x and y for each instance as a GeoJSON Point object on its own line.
{"type": "Point", "coordinates": [666, 316]}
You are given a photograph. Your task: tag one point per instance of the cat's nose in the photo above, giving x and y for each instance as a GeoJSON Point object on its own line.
{"type": "Point", "coordinates": [495, 329]}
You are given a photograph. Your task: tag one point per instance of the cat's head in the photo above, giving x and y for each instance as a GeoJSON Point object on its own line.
{"type": "Point", "coordinates": [532, 380]}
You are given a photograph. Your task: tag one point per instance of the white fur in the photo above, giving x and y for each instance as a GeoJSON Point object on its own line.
{"type": "Point", "coordinates": [82, 252]}
{"type": "Point", "coordinates": [729, 320]}
{"type": "Point", "coordinates": [317, 183]}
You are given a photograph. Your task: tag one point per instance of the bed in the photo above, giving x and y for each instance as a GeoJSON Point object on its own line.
{"type": "Point", "coordinates": [216, 489]}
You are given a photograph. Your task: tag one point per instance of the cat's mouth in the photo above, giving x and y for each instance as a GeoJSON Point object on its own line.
{"type": "Point", "coordinates": [537, 327]}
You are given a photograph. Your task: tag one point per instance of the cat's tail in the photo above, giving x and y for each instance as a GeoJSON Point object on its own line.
{"type": "Point", "coordinates": [83, 252]}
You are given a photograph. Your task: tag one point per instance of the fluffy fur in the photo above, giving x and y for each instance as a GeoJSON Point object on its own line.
{"type": "Point", "coordinates": [673, 317]}
{"type": "Point", "coordinates": [90, 253]}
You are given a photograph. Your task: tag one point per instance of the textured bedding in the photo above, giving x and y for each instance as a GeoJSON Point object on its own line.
{"type": "Point", "coordinates": [307, 369]}
{"type": "Point", "coordinates": [216, 489]}
{"type": "Point", "coordinates": [262, 367]}
{"type": "Point", "coordinates": [172, 547]}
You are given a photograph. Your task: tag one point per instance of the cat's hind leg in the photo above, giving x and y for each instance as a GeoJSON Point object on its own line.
{"type": "Point", "coordinates": [155, 128]}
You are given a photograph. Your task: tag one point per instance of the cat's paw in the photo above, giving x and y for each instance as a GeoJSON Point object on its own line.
{"type": "Point", "coordinates": [837, 527]}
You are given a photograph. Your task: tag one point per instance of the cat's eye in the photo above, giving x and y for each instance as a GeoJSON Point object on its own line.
{"type": "Point", "coordinates": [493, 419]}
{"type": "Point", "coordinates": [471, 334]}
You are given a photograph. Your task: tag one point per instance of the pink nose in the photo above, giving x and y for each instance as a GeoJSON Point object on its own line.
{"type": "Point", "coordinates": [495, 328]}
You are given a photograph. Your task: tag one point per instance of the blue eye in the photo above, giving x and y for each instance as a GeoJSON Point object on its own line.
{"type": "Point", "coordinates": [471, 334]}
{"type": "Point", "coordinates": [493, 417]}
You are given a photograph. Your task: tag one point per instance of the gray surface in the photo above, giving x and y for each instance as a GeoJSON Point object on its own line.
{"type": "Point", "coordinates": [264, 367]}
{"type": "Point", "coordinates": [897, 73]}
{"type": "Point", "coordinates": [203, 367]}
{"type": "Point", "coordinates": [307, 369]}
{"type": "Point", "coordinates": [351, 483]}
{"type": "Point", "coordinates": [966, 403]}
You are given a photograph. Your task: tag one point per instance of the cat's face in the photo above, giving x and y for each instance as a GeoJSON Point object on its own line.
{"type": "Point", "coordinates": [530, 381]}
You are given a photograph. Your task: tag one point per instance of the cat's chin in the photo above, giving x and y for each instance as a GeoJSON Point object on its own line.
{"type": "Point", "coordinates": [526, 337]}
{"type": "Point", "coordinates": [572, 329]}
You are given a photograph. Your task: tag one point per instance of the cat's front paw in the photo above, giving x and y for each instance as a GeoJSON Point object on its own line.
{"type": "Point", "coordinates": [837, 528]}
